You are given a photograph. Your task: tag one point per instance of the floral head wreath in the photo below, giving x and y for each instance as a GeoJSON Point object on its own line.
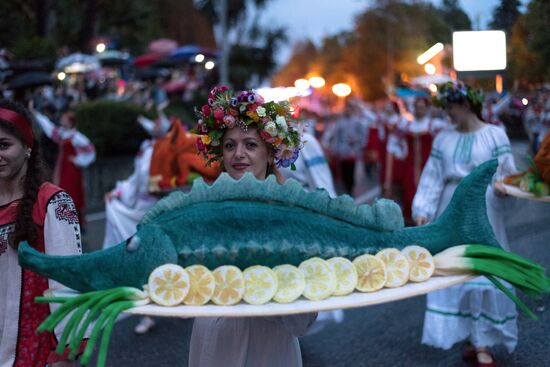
{"type": "Point", "coordinates": [225, 110]}
{"type": "Point", "coordinates": [457, 92]}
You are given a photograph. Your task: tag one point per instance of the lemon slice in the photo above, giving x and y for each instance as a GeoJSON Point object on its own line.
{"type": "Point", "coordinates": [320, 279]}
{"type": "Point", "coordinates": [260, 284]}
{"type": "Point", "coordinates": [371, 273]}
{"type": "Point", "coordinates": [229, 285]}
{"type": "Point", "coordinates": [168, 285]}
{"type": "Point", "coordinates": [203, 285]}
{"type": "Point", "coordinates": [421, 263]}
{"type": "Point", "coordinates": [346, 275]}
{"type": "Point", "coordinates": [291, 283]}
{"type": "Point", "coordinates": [397, 267]}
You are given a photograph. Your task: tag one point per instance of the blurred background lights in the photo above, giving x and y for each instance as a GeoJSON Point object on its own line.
{"type": "Point", "coordinates": [341, 89]}
{"type": "Point", "coordinates": [100, 47]}
{"type": "Point", "coordinates": [61, 76]}
{"type": "Point", "coordinates": [301, 84]}
{"type": "Point", "coordinates": [209, 65]}
{"type": "Point", "coordinates": [429, 69]}
{"type": "Point", "coordinates": [433, 88]}
{"type": "Point", "coordinates": [525, 101]}
{"type": "Point", "coordinates": [199, 58]}
{"type": "Point", "coordinates": [317, 82]}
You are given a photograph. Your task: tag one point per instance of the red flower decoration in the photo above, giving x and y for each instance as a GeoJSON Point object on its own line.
{"type": "Point", "coordinates": [218, 114]}
{"type": "Point", "coordinates": [205, 110]}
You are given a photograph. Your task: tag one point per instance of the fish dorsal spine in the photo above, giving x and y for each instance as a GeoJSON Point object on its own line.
{"type": "Point", "coordinates": [383, 215]}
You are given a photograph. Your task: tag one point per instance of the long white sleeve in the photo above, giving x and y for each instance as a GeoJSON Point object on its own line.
{"type": "Point", "coordinates": [61, 236]}
{"type": "Point", "coordinates": [47, 126]}
{"type": "Point", "coordinates": [85, 150]}
{"type": "Point", "coordinates": [430, 187]}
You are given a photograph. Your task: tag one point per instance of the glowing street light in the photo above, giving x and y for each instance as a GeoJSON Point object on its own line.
{"type": "Point", "coordinates": [429, 69]}
{"type": "Point", "coordinates": [317, 82]}
{"type": "Point", "coordinates": [524, 101]}
{"type": "Point", "coordinates": [301, 84]}
{"type": "Point", "coordinates": [100, 47]}
{"type": "Point", "coordinates": [199, 58]}
{"type": "Point", "coordinates": [430, 53]}
{"type": "Point", "coordinates": [341, 89]}
{"type": "Point", "coordinates": [61, 76]}
{"type": "Point", "coordinates": [209, 65]}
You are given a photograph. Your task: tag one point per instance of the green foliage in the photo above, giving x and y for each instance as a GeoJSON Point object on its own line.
{"type": "Point", "coordinates": [505, 15]}
{"type": "Point", "coordinates": [454, 16]}
{"type": "Point", "coordinates": [111, 126]}
{"type": "Point", "coordinates": [35, 48]}
{"type": "Point", "coordinates": [384, 43]}
{"type": "Point", "coordinates": [530, 45]}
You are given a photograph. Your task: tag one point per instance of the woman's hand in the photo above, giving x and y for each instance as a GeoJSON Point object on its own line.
{"type": "Point", "coordinates": [420, 221]}
{"type": "Point", "coordinates": [499, 189]}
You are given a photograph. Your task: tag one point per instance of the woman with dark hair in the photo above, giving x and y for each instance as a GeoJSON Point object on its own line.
{"type": "Point", "coordinates": [248, 135]}
{"type": "Point", "coordinates": [40, 213]}
{"type": "Point", "coordinates": [476, 310]}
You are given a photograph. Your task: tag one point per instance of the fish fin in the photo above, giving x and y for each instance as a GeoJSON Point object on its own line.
{"type": "Point", "coordinates": [384, 215]}
{"type": "Point", "coordinates": [465, 218]}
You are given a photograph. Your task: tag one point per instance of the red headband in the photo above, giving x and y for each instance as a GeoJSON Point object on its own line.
{"type": "Point", "coordinates": [20, 122]}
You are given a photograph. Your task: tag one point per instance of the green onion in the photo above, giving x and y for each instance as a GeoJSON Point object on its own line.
{"type": "Point", "coordinates": [492, 262]}
{"type": "Point", "coordinates": [102, 306]}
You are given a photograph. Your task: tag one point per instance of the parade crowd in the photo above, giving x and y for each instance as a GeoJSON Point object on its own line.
{"type": "Point", "coordinates": [415, 149]}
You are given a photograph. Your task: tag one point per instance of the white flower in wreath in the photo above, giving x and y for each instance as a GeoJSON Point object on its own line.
{"type": "Point", "coordinates": [271, 128]}
{"type": "Point", "coordinates": [281, 122]}
{"type": "Point", "coordinates": [260, 111]}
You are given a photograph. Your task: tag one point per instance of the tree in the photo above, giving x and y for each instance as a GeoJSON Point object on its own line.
{"type": "Point", "coordinates": [505, 15]}
{"type": "Point", "coordinates": [252, 51]}
{"type": "Point", "coordinates": [454, 16]}
{"type": "Point", "coordinates": [530, 45]}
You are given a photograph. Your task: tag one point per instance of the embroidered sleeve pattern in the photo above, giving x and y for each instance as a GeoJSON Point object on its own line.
{"type": "Point", "coordinates": [61, 234]}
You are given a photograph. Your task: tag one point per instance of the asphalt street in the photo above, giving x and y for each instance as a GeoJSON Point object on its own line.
{"type": "Point", "coordinates": [381, 335]}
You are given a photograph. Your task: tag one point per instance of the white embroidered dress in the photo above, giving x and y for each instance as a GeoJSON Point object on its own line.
{"type": "Point", "coordinates": [475, 310]}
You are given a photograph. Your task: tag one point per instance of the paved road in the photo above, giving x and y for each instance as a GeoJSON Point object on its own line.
{"type": "Point", "coordinates": [383, 335]}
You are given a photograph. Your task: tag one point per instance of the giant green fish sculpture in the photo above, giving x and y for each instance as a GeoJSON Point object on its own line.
{"type": "Point", "coordinates": [251, 222]}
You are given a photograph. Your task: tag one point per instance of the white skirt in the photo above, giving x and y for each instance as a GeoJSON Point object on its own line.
{"type": "Point", "coordinates": [475, 310]}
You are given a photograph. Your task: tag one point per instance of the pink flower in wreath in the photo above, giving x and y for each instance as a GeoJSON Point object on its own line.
{"type": "Point", "coordinates": [229, 121]}
{"type": "Point", "coordinates": [218, 113]}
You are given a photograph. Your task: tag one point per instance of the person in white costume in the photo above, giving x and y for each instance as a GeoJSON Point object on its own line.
{"type": "Point", "coordinates": [475, 311]}
{"type": "Point", "coordinates": [128, 202]}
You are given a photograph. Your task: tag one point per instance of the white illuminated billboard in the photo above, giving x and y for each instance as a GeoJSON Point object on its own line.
{"type": "Point", "coordinates": [479, 50]}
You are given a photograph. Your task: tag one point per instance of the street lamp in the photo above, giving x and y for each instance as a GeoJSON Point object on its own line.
{"type": "Point", "coordinates": [341, 89]}
{"type": "Point", "coordinates": [317, 82]}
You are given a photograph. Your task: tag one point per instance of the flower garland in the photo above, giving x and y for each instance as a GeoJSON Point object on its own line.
{"type": "Point", "coordinates": [457, 92]}
{"type": "Point", "coordinates": [273, 120]}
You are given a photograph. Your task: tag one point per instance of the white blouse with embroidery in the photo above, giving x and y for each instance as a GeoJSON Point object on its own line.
{"type": "Point", "coordinates": [454, 155]}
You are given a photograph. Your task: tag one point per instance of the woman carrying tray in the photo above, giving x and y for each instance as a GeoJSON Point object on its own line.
{"type": "Point", "coordinates": [475, 311]}
{"type": "Point", "coordinates": [42, 214]}
{"type": "Point", "coordinates": [248, 135]}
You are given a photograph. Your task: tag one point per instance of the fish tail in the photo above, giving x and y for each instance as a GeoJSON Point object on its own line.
{"type": "Point", "coordinates": [465, 219]}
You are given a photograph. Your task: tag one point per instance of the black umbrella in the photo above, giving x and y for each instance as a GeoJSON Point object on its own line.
{"type": "Point", "coordinates": [29, 80]}
{"type": "Point", "coordinates": [151, 73]}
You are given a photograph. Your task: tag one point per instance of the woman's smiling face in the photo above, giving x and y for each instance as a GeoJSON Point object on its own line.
{"type": "Point", "coordinates": [12, 156]}
{"type": "Point", "coordinates": [245, 151]}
